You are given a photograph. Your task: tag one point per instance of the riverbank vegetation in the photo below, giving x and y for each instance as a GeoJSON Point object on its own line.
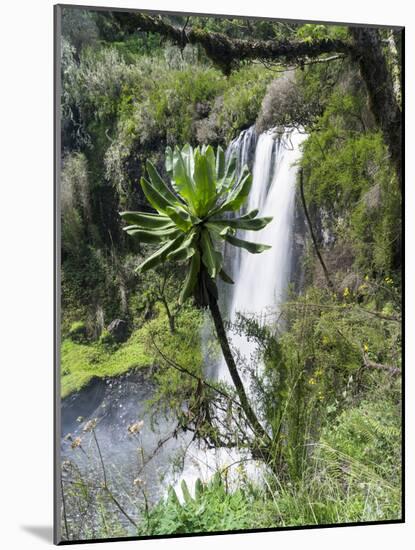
{"type": "Point", "coordinates": [329, 393]}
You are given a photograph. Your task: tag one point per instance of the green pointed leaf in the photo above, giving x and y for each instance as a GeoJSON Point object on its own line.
{"type": "Point", "coordinates": [248, 224]}
{"type": "Point", "coordinates": [210, 157]}
{"type": "Point", "coordinates": [187, 154]}
{"type": "Point", "coordinates": [220, 163]}
{"type": "Point", "coordinates": [186, 249]}
{"type": "Point", "coordinates": [225, 277]}
{"type": "Point", "coordinates": [157, 201]}
{"type": "Point", "coordinates": [160, 255]}
{"type": "Point", "coordinates": [169, 161]}
{"type": "Point", "coordinates": [147, 221]}
{"type": "Point", "coordinates": [183, 254]}
{"type": "Point", "coordinates": [180, 217]}
{"type": "Point", "coordinates": [159, 184]}
{"type": "Point", "coordinates": [254, 248]}
{"type": "Point", "coordinates": [220, 228]}
{"type": "Point", "coordinates": [204, 174]}
{"type": "Point", "coordinates": [191, 278]}
{"type": "Point", "coordinates": [229, 175]}
{"type": "Point", "coordinates": [211, 258]}
{"type": "Point", "coordinates": [249, 215]}
{"type": "Point", "coordinates": [239, 194]}
{"type": "Point", "coordinates": [186, 493]}
{"type": "Point", "coordinates": [182, 175]}
{"type": "Point", "coordinates": [155, 236]}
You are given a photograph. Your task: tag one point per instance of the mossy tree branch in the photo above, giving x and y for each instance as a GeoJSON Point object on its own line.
{"type": "Point", "coordinates": [227, 52]}
{"type": "Point", "coordinates": [365, 48]}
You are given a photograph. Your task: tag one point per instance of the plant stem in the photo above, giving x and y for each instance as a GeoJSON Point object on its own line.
{"type": "Point", "coordinates": [64, 510]}
{"type": "Point", "coordinates": [233, 371]}
{"type": "Point", "coordinates": [107, 489]}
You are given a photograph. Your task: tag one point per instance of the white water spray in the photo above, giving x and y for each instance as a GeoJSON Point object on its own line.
{"type": "Point", "coordinates": [261, 280]}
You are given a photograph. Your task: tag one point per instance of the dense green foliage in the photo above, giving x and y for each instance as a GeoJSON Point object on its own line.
{"type": "Point", "coordinates": [123, 105]}
{"type": "Point", "coordinates": [330, 390]}
{"type": "Point", "coordinates": [82, 360]}
{"type": "Point", "coordinates": [343, 483]}
{"type": "Point", "coordinates": [191, 221]}
{"type": "Point", "coordinates": [363, 206]}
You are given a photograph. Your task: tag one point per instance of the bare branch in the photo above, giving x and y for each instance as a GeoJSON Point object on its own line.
{"type": "Point", "coordinates": [183, 370]}
{"type": "Point", "coordinates": [300, 64]}
{"type": "Point", "coordinates": [394, 371]}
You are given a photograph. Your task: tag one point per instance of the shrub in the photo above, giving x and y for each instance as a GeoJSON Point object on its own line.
{"type": "Point", "coordinates": [75, 203]}
{"type": "Point", "coordinates": [106, 339]}
{"type": "Point", "coordinates": [367, 437]}
{"type": "Point", "coordinates": [351, 185]}
{"type": "Point", "coordinates": [242, 100]}
{"type": "Point", "coordinates": [78, 332]}
{"type": "Point", "coordinates": [213, 508]}
{"type": "Point", "coordinates": [284, 105]}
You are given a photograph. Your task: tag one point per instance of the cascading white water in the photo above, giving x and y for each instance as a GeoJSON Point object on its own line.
{"type": "Point", "coordinates": [242, 146]}
{"type": "Point", "coordinates": [261, 280]}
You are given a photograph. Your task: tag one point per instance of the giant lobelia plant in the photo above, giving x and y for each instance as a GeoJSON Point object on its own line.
{"type": "Point", "coordinates": [192, 219]}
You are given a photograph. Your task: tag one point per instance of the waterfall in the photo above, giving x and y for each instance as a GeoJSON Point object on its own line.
{"type": "Point", "coordinates": [261, 280]}
{"type": "Point", "coordinates": [242, 146]}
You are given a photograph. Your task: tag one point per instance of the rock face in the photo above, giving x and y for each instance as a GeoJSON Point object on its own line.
{"type": "Point", "coordinates": [118, 330]}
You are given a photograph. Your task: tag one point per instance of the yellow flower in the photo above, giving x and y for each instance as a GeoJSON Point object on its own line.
{"type": "Point", "coordinates": [366, 348]}
{"type": "Point", "coordinates": [312, 381]}
{"type": "Point", "coordinates": [346, 292]}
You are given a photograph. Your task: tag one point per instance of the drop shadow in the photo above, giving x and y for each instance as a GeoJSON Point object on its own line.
{"type": "Point", "coordinates": [42, 532]}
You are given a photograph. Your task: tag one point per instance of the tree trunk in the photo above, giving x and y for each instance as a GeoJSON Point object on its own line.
{"type": "Point", "coordinates": [227, 353]}
{"type": "Point", "coordinates": [379, 84]}
{"type": "Point", "coordinates": [313, 237]}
